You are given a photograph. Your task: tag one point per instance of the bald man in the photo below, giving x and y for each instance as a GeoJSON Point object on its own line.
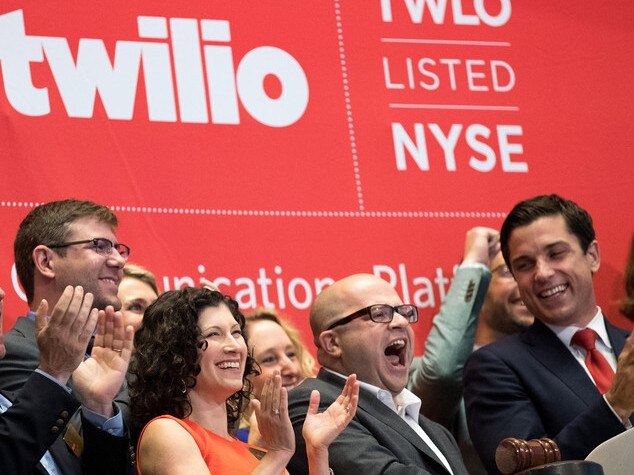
{"type": "Point", "coordinates": [360, 325]}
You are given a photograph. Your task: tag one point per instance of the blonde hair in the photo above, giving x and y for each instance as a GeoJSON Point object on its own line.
{"type": "Point", "coordinates": [306, 360]}
{"type": "Point", "coordinates": [135, 271]}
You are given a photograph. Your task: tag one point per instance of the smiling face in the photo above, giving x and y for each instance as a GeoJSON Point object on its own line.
{"type": "Point", "coordinates": [553, 273]}
{"type": "Point", "coordinates": [223, 362]}
{"type": "Point", "coordinates": [273, 350]}
{"type": "Point", "coordinates": [82, 265]}
{"type": "Point", "coordinates": [135, 296]}
{"type": "Point", "coordinates": [503, 310]}
{"type": "Point", "coordinates": [379, 353]}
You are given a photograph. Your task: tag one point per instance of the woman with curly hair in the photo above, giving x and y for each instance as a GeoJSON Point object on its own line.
{"type": "Point", "coordinates": [276, 346]}
{"type": "Point", "coordinates": [190, 384]}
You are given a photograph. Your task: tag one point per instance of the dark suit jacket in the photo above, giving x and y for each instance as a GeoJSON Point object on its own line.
{"type": "Point", "coordinates": [39, 413]}
{"type": "Point", "coordinates": [377, 440]}
{"type": "Point", "coordinates": [103, 452]}
{"type": "Point", "coordinates": [529, 386]}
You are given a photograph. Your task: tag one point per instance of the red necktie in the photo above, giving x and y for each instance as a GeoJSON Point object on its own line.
{"type": "Point", "coordinates": [596, 363]}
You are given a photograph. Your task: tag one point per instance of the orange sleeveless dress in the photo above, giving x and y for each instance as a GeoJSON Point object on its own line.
{"type": "Point", "coordinates": [222, 456]}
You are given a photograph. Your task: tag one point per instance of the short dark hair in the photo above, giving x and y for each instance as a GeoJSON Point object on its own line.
{"type": "Point", "coordinates": [577, 219]}
{"type": "Point", "coordinates": [166, 359]}
{"type": "Point", "coordinates": [47, 224]}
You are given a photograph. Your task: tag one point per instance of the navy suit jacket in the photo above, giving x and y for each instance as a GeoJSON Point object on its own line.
{"type": "Point", "coordinates": [29, 428]}
{"type": "Point", "coordinates": [377, 440]}
{"type": "Point", "coordinates": [529, 386]}
{"type": "Point", "coordinates": [103, 452]}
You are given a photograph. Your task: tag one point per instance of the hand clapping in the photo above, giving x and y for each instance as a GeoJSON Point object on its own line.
{"type": "Point", "coordinates": [320, 430]}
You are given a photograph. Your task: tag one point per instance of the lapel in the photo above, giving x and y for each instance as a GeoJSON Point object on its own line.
{"type": "Point", "coordinates": [544, 345]}
{"type": "Point", "coordinates": [617, 336]}
{"type": "Point", "coordinates": [372, 407]}
{"type": "Point", "coordinates": [26, 327]}
{"type": "Point", "coordinates": [66, 461]}
{"type": "Point", "coordinates": [10, 395]}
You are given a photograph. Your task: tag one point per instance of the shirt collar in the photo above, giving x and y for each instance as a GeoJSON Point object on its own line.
{"type": "Point", "coordinates": [4, 404]}
{"type": "Point", "coordinates": [597, 324]}
{"type": "Point", "coordinates": [407, 403]}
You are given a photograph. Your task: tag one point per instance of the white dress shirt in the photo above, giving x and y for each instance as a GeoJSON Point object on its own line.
{"type": "Point", "coordinates": [407, 407]}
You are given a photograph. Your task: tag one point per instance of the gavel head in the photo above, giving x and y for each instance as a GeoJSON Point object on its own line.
{"type": "Point", "coordinates": [514, 455]}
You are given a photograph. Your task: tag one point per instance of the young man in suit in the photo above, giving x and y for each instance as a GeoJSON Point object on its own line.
{"type": "Point", "coordinates": [543, 382]}
{"type": "Point", "coordinates": [360, 325]}
{"type": "Point", "coordinates": [62, 243]}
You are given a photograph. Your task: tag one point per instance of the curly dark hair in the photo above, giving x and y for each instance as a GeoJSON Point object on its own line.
{"type": "Point", "coordinates": [167, 357]}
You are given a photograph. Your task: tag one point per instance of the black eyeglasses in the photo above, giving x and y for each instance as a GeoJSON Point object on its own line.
{"type": "Point", "coordinates": [102, 246]}
{"type": "Point", "coordinates": [381, 313]}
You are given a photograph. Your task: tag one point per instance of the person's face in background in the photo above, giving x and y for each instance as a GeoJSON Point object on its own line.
{"type": "Point", "coordinates": [3, 350]}
{"type": "Point", "coordinates": [503, 309]}
{"type": "Point", "coordinates": [273, 350]}
{"type": "Point", "coordinates": [135, 296]}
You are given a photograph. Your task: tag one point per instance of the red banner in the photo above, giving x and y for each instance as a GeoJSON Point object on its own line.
{"type": "Point", "coordinates": [274, 146]}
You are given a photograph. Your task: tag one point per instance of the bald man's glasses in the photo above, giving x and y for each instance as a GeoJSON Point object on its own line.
{"type": "Point", "coordinates": [381, 313]}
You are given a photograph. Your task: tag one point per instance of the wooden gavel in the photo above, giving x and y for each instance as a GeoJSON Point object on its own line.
{"type": "Point", "coordinates": [514, 455]}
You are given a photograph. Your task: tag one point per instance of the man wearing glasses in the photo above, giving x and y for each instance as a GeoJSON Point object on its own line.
{"type": "Point", "coordinates": [60, 244]}
{"type": "Point", "coordinates": [360, 325]}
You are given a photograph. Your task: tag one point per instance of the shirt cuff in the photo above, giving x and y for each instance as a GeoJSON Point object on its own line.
{"type": "Point", "coordinates": [473, 265]}
{"type": "Point", "coordinates": [113, 425]}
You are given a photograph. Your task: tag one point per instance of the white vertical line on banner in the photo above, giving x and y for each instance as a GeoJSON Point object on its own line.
{"type": "Point", "coordinates": [349, 118]}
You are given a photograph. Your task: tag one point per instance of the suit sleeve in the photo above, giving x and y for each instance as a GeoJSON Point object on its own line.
{"type": "Point", "coordinates": [31, 425]}
{"type": "Point", "coordinates": [22, 357]}
{"type": "Point", "coordinates": [499, 405]}
{"type": "Point", "coordinates": [105, 453]}
{"type": "Point", "coordinates": [436, 377]}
